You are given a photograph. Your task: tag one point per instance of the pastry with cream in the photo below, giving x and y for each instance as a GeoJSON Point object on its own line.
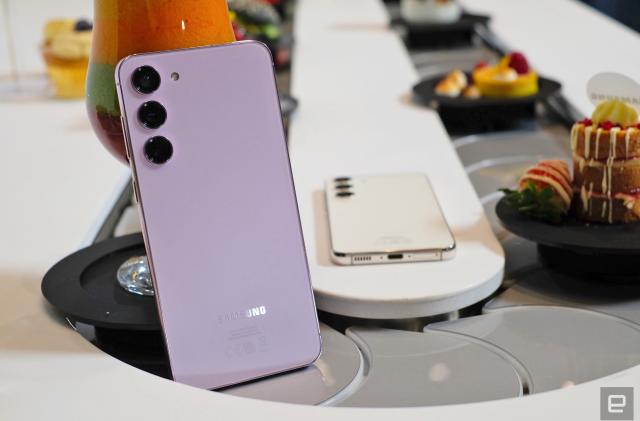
{"type": "Point", "coordinates": [471, 92]}
{"type": "Point", "coordinates": [66, 49]}
{"type": "Point", "coordinates": [510, 78]}
{"type": "Point", "coordinates": [453, 84]}
{"type": "Point", "coordinates": [606, 164]}
{"type": "Point", "coordinates": [430, 11]}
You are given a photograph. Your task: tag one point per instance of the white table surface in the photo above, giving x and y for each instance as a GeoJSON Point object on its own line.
{"type": "Point", "coordinates": [353, 78]}
{"type": "Point", "coordinates": [55, 180]}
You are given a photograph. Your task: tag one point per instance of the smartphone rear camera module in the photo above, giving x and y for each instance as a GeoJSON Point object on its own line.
{"type": "Point", "coordinates": [344, 194]}
{"type": "Point", "coordinates": [158, 150]}
{"type": "Point", "coordinates": [152, 114]}
{"type": "Point", "coordinates": [145, 79]}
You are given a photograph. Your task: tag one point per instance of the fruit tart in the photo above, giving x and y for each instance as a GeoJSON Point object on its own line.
{"type": "Point", "coordinates": [510, 78]}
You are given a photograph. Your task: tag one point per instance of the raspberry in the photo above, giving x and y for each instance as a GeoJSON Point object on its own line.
{"type": "Point", "coordinates": [519, 63]}
{"type": "Point", "coordinates": [606, 125]}
{"type": "Point", "coordinates": [586, 122]}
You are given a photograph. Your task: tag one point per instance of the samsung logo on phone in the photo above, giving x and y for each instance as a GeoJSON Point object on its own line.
{"type": "Point", "coordinates": [256, 312]}
{"type": "Point", "coordinates": [247, 314]}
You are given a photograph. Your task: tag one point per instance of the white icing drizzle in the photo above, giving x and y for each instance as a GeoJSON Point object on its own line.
{"type": "Point", "coordinates": [618, 163]}
{"type": "Point", "coordinates": [585, 198]}
{"type": "Point", "coordinates": [627, 137]}
{"type": "Point", "coordinates": [587, 138]}
{"type": "Point", "coordinates": [604, 209]}
{"type": "Point", "coordinates": [610, 210]}
{"type": "Point", "coordinates": [581, 163]}
{"type": "Point", "coordinates": [613, 139]}
{"type": "Point", "coordinates": [589, 196]}
{"type": "Point", "coordinates": [574, 137]}
{"type": "Point", "coordinates": [598, 133]}
{"type": "Point", "coordinates": [604, 183]}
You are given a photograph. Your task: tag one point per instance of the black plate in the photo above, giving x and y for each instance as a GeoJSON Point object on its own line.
{"type": "Point", "coordinates": [83, 286]}
{"type": "Point", "coordinates": [463, 115]}
{"type": "Point", "coordinates": [426, 92]}
{"type": "Point", "coordinates": [467, 21]}
{"type": "Point", "coordinates": [573, 235]}
{"type": "Point", "coordinates": [442, 34]}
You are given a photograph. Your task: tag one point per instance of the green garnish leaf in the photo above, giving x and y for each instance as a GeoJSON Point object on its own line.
{"type": "Point", "coordinates": [535, 203]}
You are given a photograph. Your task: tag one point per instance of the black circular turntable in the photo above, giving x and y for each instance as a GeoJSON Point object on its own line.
{"type": "Point", "coordinates": [595, 251]}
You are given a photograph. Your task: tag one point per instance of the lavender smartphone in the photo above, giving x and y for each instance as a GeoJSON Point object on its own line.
{"type": "Point", "coordinates": [218, 208]}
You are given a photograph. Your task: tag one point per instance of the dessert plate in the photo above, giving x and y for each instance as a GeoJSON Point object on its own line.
{"type": "Point", "coordinates": [460, 114]}
{"type": "Point", "coordinates": [425, 90]}
{"type": "Point", "coordinates": [607, 252]}
{"type": "Point", "coordinates": [83, 286]}
{"type": "Point", "coordinates": [435, 34]}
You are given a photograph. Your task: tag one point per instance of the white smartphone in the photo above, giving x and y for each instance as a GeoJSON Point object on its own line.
{"type": "Point", "coordinates": [386, 219]}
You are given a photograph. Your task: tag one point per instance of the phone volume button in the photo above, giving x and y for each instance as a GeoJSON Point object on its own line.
{"type": "Point", "coordinates": [126, 138]}
{"type": "Point", "coordinates": [135, 191]}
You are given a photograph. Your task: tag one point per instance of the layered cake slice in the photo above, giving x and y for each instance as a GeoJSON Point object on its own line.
{"type": "Point", "coordinates": [606, 161]}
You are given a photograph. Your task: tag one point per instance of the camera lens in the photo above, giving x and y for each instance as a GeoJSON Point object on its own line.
{"type": "Point", "coordinates": [152, 114]}
{"type": "Point", "coordinates": [145, 79]}
{"type": "Point", "coordinates": [158, 149]}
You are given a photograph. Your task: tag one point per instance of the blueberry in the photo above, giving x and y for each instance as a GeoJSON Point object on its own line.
{"type": "Point", "coordinates": [83, 25]}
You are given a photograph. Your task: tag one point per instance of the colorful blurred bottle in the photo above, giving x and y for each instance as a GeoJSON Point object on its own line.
{"type": "Point", "coordinates": [125, 27]}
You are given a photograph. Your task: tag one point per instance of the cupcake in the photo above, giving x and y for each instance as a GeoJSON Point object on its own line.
{"type": "Point", "coordinates": [66, 49]}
